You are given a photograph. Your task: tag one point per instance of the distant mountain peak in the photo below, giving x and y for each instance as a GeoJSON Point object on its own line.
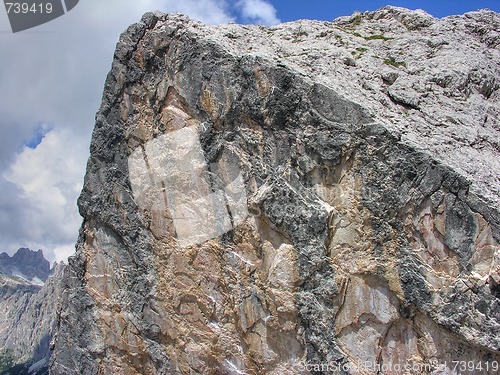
{"type": "Point", "coordinates": [26, 263]}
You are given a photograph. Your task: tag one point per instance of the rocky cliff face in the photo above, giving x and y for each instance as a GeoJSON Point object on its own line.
{"type": "Point", "coordinates": [27, 312]}
{"type": "Point", "coordinates": [313, 197]}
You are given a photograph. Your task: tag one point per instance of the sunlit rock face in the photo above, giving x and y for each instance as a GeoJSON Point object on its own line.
{"type": "Point", "coordinates": [309, 198]}
{"type": "Point", "coordinates": [169, 174]}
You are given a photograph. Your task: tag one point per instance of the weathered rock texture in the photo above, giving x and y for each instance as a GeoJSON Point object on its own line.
{"type": "Point", "coordinates": [368, 152]}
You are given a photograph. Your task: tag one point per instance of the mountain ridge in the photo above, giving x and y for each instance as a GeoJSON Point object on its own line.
{"type": "Point", "coordinates": [28, 302]}
{"type": "Point", "coordinates": [28, 264]}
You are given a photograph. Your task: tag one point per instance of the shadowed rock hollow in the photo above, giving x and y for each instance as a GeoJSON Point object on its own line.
{"type": "Point", "coordinates": [270, 200]}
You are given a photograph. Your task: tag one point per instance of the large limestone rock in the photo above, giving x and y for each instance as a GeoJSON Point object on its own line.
{"type": "Point", "coordinates": [313, 197]}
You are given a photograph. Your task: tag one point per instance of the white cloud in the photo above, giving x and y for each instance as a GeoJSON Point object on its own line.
{"type": "Point", "coordinates": [208, 11]}
{"type": "Point", "coordinates": [49, 179]}
{"type": "Point", "coordinates": [62, 252]}
{"type": "Point", "coordinates": [258, 11]}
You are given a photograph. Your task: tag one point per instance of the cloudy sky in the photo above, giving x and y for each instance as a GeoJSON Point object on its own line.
{"type": "Point", "coordinates": [51, 80]}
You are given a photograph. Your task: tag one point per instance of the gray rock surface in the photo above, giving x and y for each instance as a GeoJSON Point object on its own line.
{"type": "Point", "coordinates": [277, 200]}
{"type": "Point", "coordinates": [28, 319]}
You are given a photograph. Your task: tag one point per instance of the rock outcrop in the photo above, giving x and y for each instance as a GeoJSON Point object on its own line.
{"type": "Point", "coordinates": [313, 197]}
{"type": "Point", "coordinates": [28, 313]}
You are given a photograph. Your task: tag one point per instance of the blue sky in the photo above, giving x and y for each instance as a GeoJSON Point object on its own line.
{"type": "Point", "coordinates": [51, 82]}
{"type": "Point", "coordinates": [288, 10]}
